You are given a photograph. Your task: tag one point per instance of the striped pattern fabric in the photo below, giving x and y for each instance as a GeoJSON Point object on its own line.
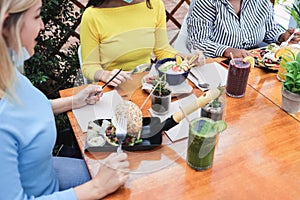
{"type": "Point", "coordinates": [213, 25]}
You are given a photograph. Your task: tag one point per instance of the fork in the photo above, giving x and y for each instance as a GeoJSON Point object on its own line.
{"type": "Point", "coordinates": [202, 85]}
{"type": "Point", "coordinates": [121, 131]}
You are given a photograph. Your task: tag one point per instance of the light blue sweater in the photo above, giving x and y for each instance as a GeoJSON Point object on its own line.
{"type": "Point", "coordinates": [27, 137]}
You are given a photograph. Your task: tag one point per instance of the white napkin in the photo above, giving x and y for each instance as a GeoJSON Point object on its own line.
{"type": "Point", "coordinates": [181, 130]}
{"type": "Point", "coordinates": [103, 109]}
{"type": "Point", "coordinates": [213, 73]}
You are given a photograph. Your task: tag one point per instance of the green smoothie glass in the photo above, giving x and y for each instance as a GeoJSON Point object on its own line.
{"type": "Point", "coordinates": [203, 133]}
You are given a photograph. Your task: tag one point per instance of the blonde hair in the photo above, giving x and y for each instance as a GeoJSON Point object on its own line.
{"type": "Point", "coordinates": [15, 10]}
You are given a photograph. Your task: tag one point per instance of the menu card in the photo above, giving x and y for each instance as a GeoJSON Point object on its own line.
{"type": "Point", "coordinates": [212, 73]}
{"type": "Point", "coordinates": [103, 109]}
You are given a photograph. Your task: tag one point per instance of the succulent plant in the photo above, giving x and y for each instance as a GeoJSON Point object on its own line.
{"type": "Point", "coordinates": [161, 86]}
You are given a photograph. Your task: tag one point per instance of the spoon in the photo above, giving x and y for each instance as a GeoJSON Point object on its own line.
{"type": "Point", "coordinates": [202, 85]}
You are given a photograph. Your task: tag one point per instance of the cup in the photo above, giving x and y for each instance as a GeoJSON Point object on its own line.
{"type": "Point", "coordinates": [201, 143]}
{"type": "Point", "coordinates": [237, 78]}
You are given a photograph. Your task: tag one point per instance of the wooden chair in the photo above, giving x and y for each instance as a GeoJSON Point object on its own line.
{"type": "Point", "coordinates": [171, 16]}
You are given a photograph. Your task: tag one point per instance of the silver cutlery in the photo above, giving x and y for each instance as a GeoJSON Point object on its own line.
{"type": "Point", "coordinates": [200, 84]}
{"type": "Point", "coordinates": [121, 131]}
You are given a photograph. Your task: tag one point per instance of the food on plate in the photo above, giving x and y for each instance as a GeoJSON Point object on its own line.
{"type": "Point", "coordinates": [176, 66]}
{"type": "Point", "coordinates": [133, 114]}
{"type": "Point", "coordinates": [96, 141]}
{"type": "Point", "coordinates": [267, 57]}
{"type": "Point", "coordinates": [99, 135]}
{"type": "Point", "coordinates": [286, 53]}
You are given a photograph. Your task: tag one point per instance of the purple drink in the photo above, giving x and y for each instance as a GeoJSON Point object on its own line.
{"type": "Point", "coordinates": [237, 78]}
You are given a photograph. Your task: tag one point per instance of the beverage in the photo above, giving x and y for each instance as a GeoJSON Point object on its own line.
{"type": "Point", "coordinates": [202, 139]}
{"type": "Point", "coordinates": [237, 77]}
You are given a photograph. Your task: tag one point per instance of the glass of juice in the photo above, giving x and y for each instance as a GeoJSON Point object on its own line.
{"type": "Point", "coordinates": [237, 77]}
{"type": "Point", "coordinates": [203, 133]}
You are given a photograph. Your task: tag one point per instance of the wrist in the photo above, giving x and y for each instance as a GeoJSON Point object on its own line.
{"type": "Point", "coordinates": [89, 190]}
{"type": "Point", "coordinates": [99, 75]}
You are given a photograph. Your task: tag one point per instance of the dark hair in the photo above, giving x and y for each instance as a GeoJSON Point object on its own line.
{"type": "Point", "coordinates": [96, 3]}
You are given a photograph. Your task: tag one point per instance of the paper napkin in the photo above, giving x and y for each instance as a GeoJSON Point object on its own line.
{"type": "Point", "coordinates": [103, 109]}
{"type": "Point", "coordinates": [213, 73]}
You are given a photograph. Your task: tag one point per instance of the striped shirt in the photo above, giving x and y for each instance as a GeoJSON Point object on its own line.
{"type": "Point", "coordinates": [213, 25]}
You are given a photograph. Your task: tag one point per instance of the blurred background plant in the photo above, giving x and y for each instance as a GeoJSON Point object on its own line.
{"type": "Point", "coordinates": [293, 8]}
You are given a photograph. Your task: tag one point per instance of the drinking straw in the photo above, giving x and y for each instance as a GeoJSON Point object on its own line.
{"type": "Point", "coordinates": [232, 58]}
{"type": "Point", "coordinates": [149, 96]}
{"type": "Point", "coordinates": [185, 115]}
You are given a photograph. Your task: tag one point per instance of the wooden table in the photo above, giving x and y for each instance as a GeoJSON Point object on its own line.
{"type": "Point", "coordinates": [257, 156]}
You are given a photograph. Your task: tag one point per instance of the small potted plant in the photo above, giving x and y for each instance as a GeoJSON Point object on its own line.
{"type": "Point", "coordinates": [291, 86]}
{"type": "Point", "coordinates": [161, 96]}
{"type": "Point", "coordinates": [215, 109]}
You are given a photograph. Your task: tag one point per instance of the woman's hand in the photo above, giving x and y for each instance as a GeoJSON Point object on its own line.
{"type": "Point", "coordinates": [89, 95]}
{"type": "Point", "coordinates": [105, 76]}
{"type": "Point", "coordinates": [112, 174]}
{"type": "Point", "coordinates": [236, 53]}
{"type": "Point", "coordinates": [285, 36]}
{"type": "Point", "coordinates": [200, 57]}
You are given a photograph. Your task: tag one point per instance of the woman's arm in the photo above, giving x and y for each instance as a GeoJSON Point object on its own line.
{"type": "Point", "coordinates": [89, 95]}
{"type": "Point", "coordinates": [273, 29]}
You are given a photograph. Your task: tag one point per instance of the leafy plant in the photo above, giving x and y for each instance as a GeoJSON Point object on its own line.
{"type": "Point", "coordinates": [160, 86]}
{"type": "Point", "coordinates": [292, 67]}
{"type": "Point", "coordinates": [55, 65]}
{"type": "Point", "coordinates": [294, 10]}
{"type": "Point", "coordinates": [216, 103]}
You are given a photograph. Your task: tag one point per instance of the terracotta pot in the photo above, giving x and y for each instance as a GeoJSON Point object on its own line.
{"type": "Point", "coordinates": [290, 102]}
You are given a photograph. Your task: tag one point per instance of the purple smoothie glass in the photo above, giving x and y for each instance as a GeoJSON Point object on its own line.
{"type": "Point", "coordinates": [237, 78]}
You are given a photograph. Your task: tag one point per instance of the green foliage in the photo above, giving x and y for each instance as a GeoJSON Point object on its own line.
{"type": "Point", "coordinates": [294, 10]}
{"type": "Point", "coordinates": [292, 67]}
{"type": "Point", "coordinates": [161, 86]}
{"type": "Point", "coordinates": [55, 65]}
{"type": "Point", "coordinates": [216, 103]}
{"type": "Point", "coordinates": [279, 2]}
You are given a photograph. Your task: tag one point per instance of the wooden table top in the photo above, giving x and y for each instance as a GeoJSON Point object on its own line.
{"type": "Point", "coordinates": [257, 156]}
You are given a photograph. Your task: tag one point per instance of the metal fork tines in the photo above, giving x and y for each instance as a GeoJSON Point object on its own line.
{"type": "Point", "coordinates": [121, 131]}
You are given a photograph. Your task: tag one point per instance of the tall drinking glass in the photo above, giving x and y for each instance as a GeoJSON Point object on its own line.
{"type": "Point", "coordinates": [203, 133]}
{"type": "Point", "coordinates": [237, 78]}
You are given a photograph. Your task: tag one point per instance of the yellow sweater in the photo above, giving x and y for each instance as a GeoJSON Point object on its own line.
{"type": "Point", "coordinates": [123, 37]}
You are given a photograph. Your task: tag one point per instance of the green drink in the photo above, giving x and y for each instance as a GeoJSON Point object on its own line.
{"type": "Point", "coordinates": [202, 139]}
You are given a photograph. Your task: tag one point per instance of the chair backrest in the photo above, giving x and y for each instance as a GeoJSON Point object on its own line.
{"type": "Point", "coordinates": [80, 63]}
{"type": "Point", "coordinates": [181, 40]}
